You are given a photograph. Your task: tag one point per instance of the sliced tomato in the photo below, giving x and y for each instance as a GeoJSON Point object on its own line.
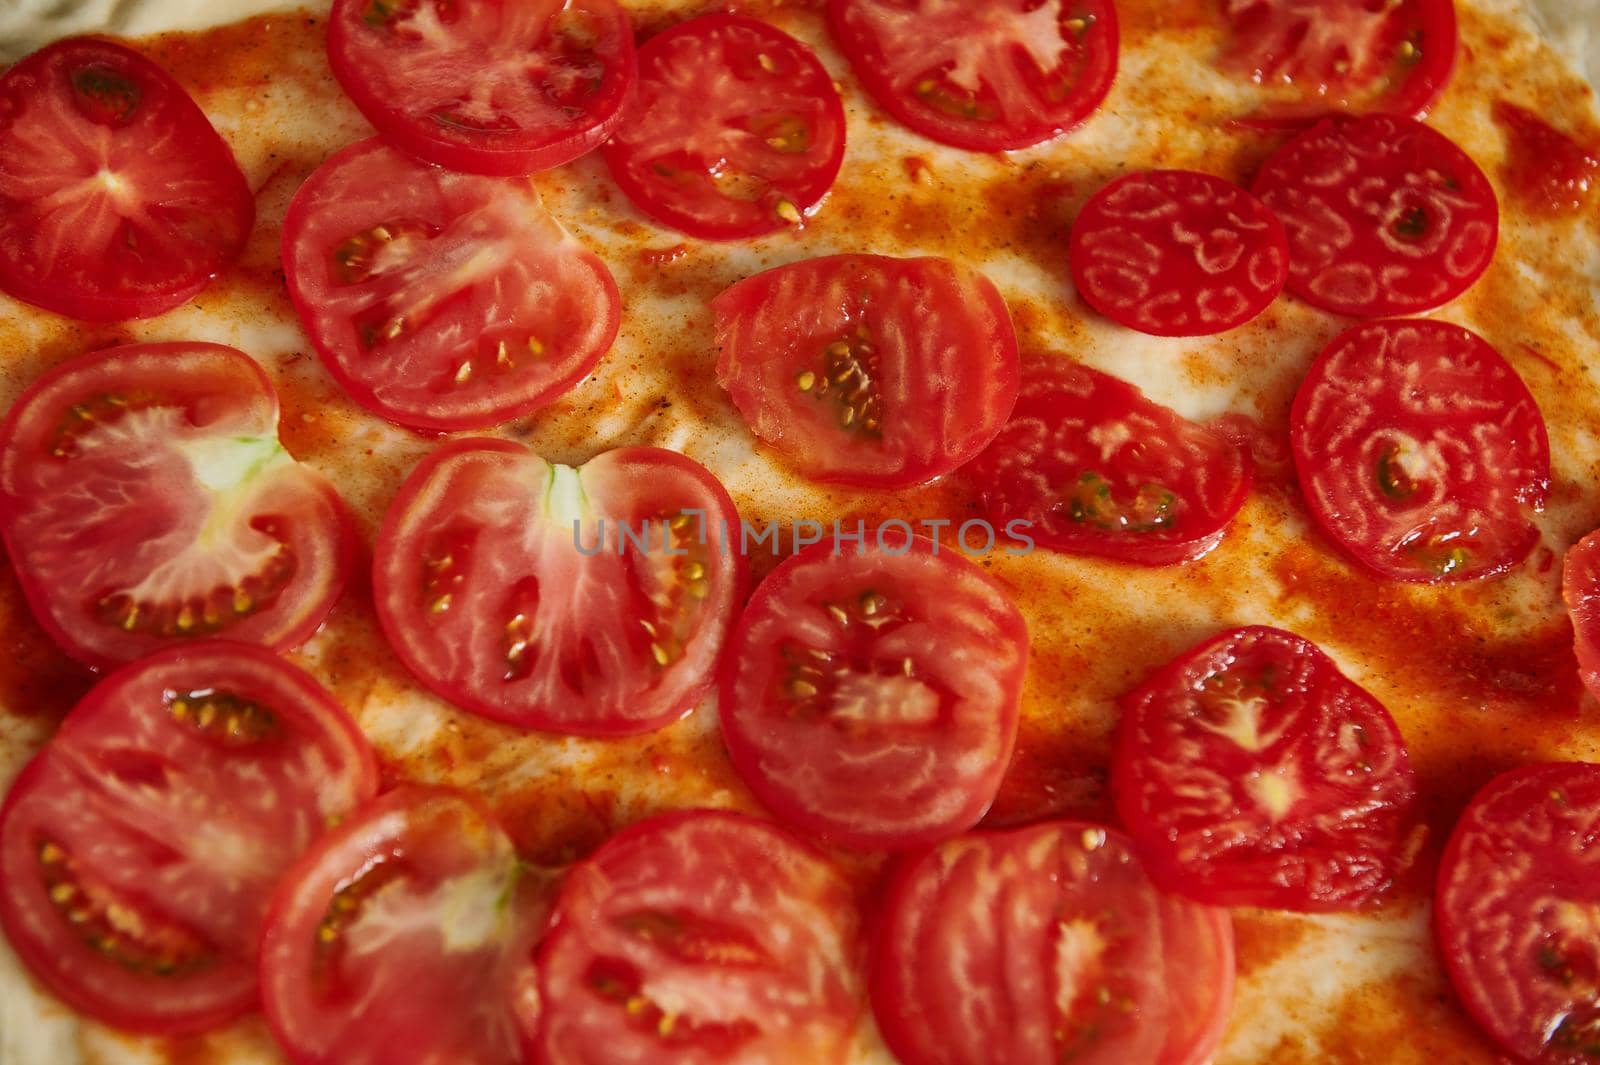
{"type": "Point", "coordinates": [139, 848]}
{"type": "Point", "coordinates": [146, 501]}
{"type": "Point", "coordinates": [591, 600]}
{"type": "Point", "coordinates": [1095, 468]}
{"type": "Point", "coordinates": [439, 300]}
{"type": "Point", "coordinates": [869, 370]}
{"type": "Point", "coordinates": [736, 129]}
{"type": "Point", "coordinates": [1515, 912]}
{"type": "Point", "coordinates": [699, 937]}
{"type": "Point", "coordinates": [486, 86]}
{"type": "Point", "coordinates": [1384, 215]}
{"type": "Point", "coordinates": [1549, 170]}
{"type": "Point", "coordinates": [1251, 772]}
{"type": "Point", "coordinates": [117, 198]}
{"type": "Point", "coordinates": [989, 75]}
{"type": "Point", "coordinates": [1580, 587]}
{"type": "Point", "coordinates": [1197, 947]}
{"type": "Point", "coordinates": [1420, 452]}
{"type": "Point", "coordinates": [401, 936]}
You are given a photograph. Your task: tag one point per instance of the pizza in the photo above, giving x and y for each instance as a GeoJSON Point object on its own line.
{"type": "Point", "coordinates": [799, 531]}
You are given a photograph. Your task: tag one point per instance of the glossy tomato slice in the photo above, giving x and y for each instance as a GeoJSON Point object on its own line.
{"type": "Point", "coordinates": [989, 75]}
{"type": "Point", "coordinates": [139, 848]}
{"type": "Point", "coordinates": [1384, 215]}
{"type": "Point", "coordinates": [699, 937]}
{"type": "Point", "coordinates": [1251, 772]}
{"type": "Point", "coordinates": [1420, 452]}
{"type": "Point", "coordinates": [401, 936]}
{"type": "Point", "coordinates": [1518, 890]}
{"type": "Point", "coordinates": [439, 300]}
{"type": "Point", "coordinates": [1098, 469]}
{"type": "Point", "coordinates": [486, 86]}
{"type": "Point", "coordinates": [869, 370]}
{"type": "Point", "coordinates": [1580, 587]}
{"type": "Point", "coordinates": [1198, 951]}
{"type": "Point", "coordinates": [736, 129]}
{"type": "Point", "coordinates": [145, 500]}
{"type": "Point", "coordinates": [871, 697]}
{"type": "Point", "coordinates": [590, 600]}
{"type": "Point", "coordinates": [117, 198]}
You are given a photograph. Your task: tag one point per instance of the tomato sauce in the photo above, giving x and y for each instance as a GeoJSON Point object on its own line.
{"type": "Point", "coordinates": [1551, 171]}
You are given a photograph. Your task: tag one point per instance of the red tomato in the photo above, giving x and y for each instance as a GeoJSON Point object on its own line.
{"type": "Point", "coordinates": [1095, 468]}
{"type": "Point", "coordinates": [138, 849]}
{"type": "Point", "coordinates": [438, 300]}
{"type": "Point", "coordinates": [1251, 772]}
{"type": "Point", "coordinates": [1421, 452]}
{"type": "Point", "coordinates": [117, 198]}
{"type": "Point", "coordinates": [146, 501]}
{"type": "Point", "coordinates": [547, 596]}
{"type": "Point", "coordinates": [401, 936]}
{"type": "Point", "coordinates": [869, 370]}
{"type": "Point", "coordinates": [1548, 170]}
{"type": "Point", "coordinates": [1197, 943]}
{"type": "Point", "coordinates": [1514, 910]}
{"type": "Point", "coordinates": [486, 86]}
{"type": "Point", "coordinates": [989, 75]}
{"type": "Point", "coordinates": [699, 937]}
{"type": "Point", "coordinates": [736, 130]}
{"type": "Point", "coordinates": [1384, 215]}
{"type": "Point", "coordinates": [1580, 587]}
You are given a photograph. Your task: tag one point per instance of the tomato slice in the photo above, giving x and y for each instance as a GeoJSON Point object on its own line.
{"type": "Point", "coordinates": [117, 198]}
{"type": "Point", "coordinates": [590, 600]}
{"type": "Point", "coordinates": [704, 937]}
{"type": "Point", "coordinates": [736, 129]}
{"type": "Point", "coordinates": [1420, 452]}
{"type": "Point", "coordinates": [439, 300]}
{"type": "Point", "coordinates": [139, 848]}
{"type": "Point", "coordinates": [1580, 587]}
{"type": "Point", "coordinates": [1095, 468]}
{"type": "Point", "coordinates": [1384, 215]}
{"type": "Point", "coordinates": [146, 501]}
{"type": "Point", "coordinates": [1251, 772]}
{"type": "Point", "coordinates": [989, 75]}
{"type": "Point", "coordinates": [400, 937]}
{"type": "Point", "coordinates": [486, 86]}
{"type": "Point", "coordinates": [1197, 944]}
{"type": "Point", "coordinates": [1515, 910]}
{"type": "Point", "coordinates": [869, 370]}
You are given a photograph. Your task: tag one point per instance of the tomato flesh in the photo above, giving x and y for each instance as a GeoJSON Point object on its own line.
{"type": "Point", "coordinates": [1550, 171]}
{"type": "Point", "coordinates": [1580, 588]}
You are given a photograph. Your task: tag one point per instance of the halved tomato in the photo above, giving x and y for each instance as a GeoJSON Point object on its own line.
{"type": "Point", "coordinates": [145, 500]}
{"type": "Point", "coordinates": [139, 848]}
{"type": "Point", "coordinates": [591, 601]}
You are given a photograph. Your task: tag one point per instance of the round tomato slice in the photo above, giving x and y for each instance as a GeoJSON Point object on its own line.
{"type": "Point", "coordinates": [401, 936]}
{"type": "Point", "coordinates": [1420, 452]}
{"type": "Point", "coordinates": [1580, 587]}
{"type": "Point", "coordinates": [699, 937]}
{"type": "Point", "coordinates": [590, 600]}
{"type": "Point", "coordinates": [989, 75]}
{"type": "Point", "coordinates": [1515, 911]}
{"type": "Point", "coordinates": [1384, 215]}
{"type": "Point", "coordinates": [146, 501]}
{"type": "Point", "coordinates": [869, 370]}
{"type": "Point", "coordinates": [736, 129]}
{"type": "Point", "coordinates": [439, 300]}
{"type": "Point", "coordinates": [486, 86]}
{"type": "Point", "coordinates": [1178, 253]}
{"type": "Point", "coordinates": [1251, 772]}
{"type": "Point", "coordinates": [1098, 469]}
{"type": "Point", "coordinates": [139, 848]}
{"type": "Point", "coordinates": [117, 198]}
{"type": "Point", "coordinates": [871, 697]}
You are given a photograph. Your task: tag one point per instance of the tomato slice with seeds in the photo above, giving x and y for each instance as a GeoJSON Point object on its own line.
{"type": "Point", "coordinates": [439, 300]}
{"type": "Point", "coordinates": [1384, 215]}
{"type": "Point", "coordinates": [866, 369]}
{"type": "Point", "coordinates": [988, 75]}
{"type": "Point", "coordinates": [139, 848]}
{"type": "Point", "coordinates": [736, 129]}
{"type": "Point", "coordinates": [704, 937]}
{"type": "Point", "coordinates": [1420, 452]}
{"type": "Point", "coordinates": [591, 600]}
{"type": "Point", "coordinates": [1580, 588]}
{"type": "Point", "coordinates": [146, 500]}
{"type": "Point", "coordinates": [1251, 772]}
{"type": "Point", "coordinates": [486, 86]}
{"type": "Point", "coordinates": [117, 198]}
